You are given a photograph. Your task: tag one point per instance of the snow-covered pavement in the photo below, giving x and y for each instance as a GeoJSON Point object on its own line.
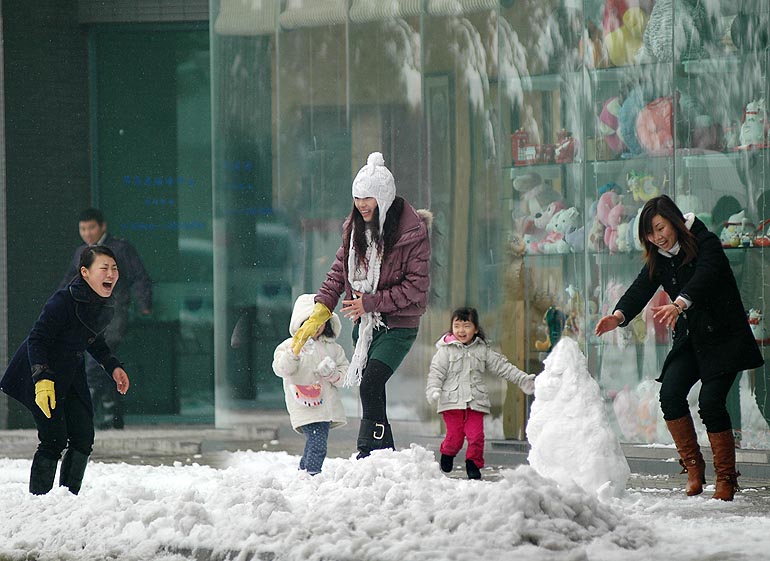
{"type": "Point", "coordinates": [393, 506]}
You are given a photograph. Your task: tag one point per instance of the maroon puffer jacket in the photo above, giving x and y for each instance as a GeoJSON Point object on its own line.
{"type": "Point", "coordinates": [402, 293]}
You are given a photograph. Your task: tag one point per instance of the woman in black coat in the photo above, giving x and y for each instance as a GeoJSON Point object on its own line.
{"type": "Point", "coordinates": [712, 340]}
{"type": "Point", "coordinates": [47, 372]}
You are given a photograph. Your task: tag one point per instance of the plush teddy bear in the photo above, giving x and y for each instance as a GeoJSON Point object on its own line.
{"type": "Point", "coordinates": [561, 225]}
{"type": "Point", "coordinates": [543, 218]}
{"type": "Point", "coordinates": [609, 212]}
{"type": "Point", "coordinates": [565, 221]}
{"type": "Point", "coordinates": [623, 23]}
{"type": "Point", "coordinates": [534, 194]}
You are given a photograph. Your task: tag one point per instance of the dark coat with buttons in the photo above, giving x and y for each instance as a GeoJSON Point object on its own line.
{"type": "Point", "coordinates": [716, 324]}
{"type": "Point", "coordinates": [72, 322]}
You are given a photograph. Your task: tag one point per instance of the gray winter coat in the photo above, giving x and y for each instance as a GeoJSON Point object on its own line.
{"type": "Point", "coordinates": [458, 371]}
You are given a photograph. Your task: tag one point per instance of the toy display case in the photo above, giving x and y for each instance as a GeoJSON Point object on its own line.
{"type": "Point", "coordinates": [607, 104]}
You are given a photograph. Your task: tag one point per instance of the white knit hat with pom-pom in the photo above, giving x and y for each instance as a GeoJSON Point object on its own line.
{"type": "Point", "coordinates": [375, 180]}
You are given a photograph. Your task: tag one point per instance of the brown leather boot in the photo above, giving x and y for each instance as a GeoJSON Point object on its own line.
{"type": "Point", "coordinates": [691, 459]}
{"type": "Point", "coordinates": [723, 447]}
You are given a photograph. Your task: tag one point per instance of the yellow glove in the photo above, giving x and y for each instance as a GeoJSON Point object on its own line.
{"type": "Point", "coordinates": [320, 315]}
{"type": "Point", "coordinates": [45, 394]}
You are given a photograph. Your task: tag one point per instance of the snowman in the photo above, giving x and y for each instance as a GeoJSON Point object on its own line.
{"type": "Point", "coordinates": [571, 438]}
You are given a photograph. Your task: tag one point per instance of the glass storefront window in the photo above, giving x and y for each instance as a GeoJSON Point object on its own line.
{"type": "Point", "coordinates": [152, 180]}
{"type": "Point", "coordinates": [497, 116]}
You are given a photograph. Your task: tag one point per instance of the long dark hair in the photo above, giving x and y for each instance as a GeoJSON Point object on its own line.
{"type": "Point", "coordinates": [385, 240]}
{"type": "Point", "coordinates": [467, 313]}
{"type": "Point", "coordinates": [666, 208]}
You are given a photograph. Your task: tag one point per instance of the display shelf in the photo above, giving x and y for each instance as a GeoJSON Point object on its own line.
{"type": "Point", "coordinates": [705, 181]}
{"type": "Point", "coordinates": [546, 171]}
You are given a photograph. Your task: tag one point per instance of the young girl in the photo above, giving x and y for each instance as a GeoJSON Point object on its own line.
{"type": "Point", "coordinates": [47, 373]}
{"type": "Point", "coordinates": [456, 385]}
{"type": "Point", "coordinates": [310, 382]}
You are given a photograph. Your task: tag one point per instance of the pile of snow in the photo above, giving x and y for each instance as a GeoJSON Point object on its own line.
{"type": "Point", "coordinates": [394, 506]}
{"type": "Point", "coordinates": [570, 435]}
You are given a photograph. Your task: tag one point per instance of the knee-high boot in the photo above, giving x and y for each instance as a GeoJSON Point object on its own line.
{"type": "Point", "coordinates": [387, 440]}
{"type": "Point", "coordinates": [41, 474]}
{"type": "Point", "coordinates": [371, 435]}
{"type": "Point", "coordinates": [73, 466]}
{"type": "Point", "coordinates": [723, 447]}
{"type": "Point", "coordinates": [691, 459]}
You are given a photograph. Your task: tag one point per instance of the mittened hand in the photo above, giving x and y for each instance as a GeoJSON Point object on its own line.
{"type": "Point", "coordinates": [527, 384]}
{"type": "Point", "coordinates": [433, 395]}
{"type": "Point", "coordinates": [320, 315]}
{"type": "Point", "coordinates": [326, 368]}
{"type": "Point", "coordinates": [45, 396]}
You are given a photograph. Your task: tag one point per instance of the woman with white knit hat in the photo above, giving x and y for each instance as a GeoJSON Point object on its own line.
{"type": "Point", "coordinates": [383, 269]}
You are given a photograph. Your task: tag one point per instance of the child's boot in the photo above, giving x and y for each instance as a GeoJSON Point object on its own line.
{"type": "Point", "coordinates": [473, 471]}
{"type": "Point", "coordinates": [446, 463]}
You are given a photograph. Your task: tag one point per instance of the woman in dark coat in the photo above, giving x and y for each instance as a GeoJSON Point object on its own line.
{"type": "Point", "coordinates": [383, 269]}
{"type": "Point", "coordinates": [47, 372]}
{"type": "Point", "coordinates": [712, 340]}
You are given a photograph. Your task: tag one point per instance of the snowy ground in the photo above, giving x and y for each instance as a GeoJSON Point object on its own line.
{"type": "Point", "coordinates": [393, 506]}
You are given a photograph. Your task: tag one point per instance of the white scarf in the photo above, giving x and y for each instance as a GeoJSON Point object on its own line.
{"type": "Point", "coordinates": [363, 280]}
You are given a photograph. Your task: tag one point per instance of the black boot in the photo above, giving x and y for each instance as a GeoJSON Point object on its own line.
{"type": "Point", "coordinates": [41, 475]}
{"type": "Point", "coordinates": [473, 471]}
{"type": "Point", "coordinates": [387, 440]}
{"type": "Point", "coordinates": [447, 462]}
{"type": "Point", "coordinates": [73, 466]}
{"type": "Point", "coordinates": [370, 437]}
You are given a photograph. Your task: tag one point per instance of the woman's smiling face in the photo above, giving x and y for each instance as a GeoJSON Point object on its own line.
{"type": "Point", "coordinates": [102, 275]}
{"type": "Point", "coordinates": [663, 233]}
{"type": "Point", "coordinates": [366, 207]}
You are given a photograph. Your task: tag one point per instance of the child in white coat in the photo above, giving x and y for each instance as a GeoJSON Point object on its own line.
{"type": "Point", "coordinates": [456, 385]}
{"type": "Point", "coordinates": [310, 382]}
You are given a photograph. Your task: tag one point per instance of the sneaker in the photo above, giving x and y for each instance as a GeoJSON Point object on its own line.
{"type": "Point", "coordinates": [473, 471]}
{"type": "Point", "coordinates": [446, 463]}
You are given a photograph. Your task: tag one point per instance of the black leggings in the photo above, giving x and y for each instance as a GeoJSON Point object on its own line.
{"type": "Point", "coordinates": [70, 426]}
{"type": "Point", "coordinates": [372, 391]}
{"type": "Point", "coordinates": [681, 375]}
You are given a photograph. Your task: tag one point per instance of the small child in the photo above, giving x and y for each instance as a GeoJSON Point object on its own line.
{"type": "Point", "coordinates": [456, 385]}
{"type": "Point", "coordinates": [310, 383]}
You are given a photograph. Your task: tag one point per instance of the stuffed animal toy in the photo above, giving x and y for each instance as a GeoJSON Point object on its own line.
{"type": "Point", "coordinates": [562, 223]}
{"type": "Point", "coordinates": [543, 218]}
{"type": "Point", "coordinates": [686, 42]}
{"type": "Point", "coordinates": [622, 238]}
{"type": "Point", "coordinates": [608, 125]}
{"type": "Point", "coordinates": [623, 23]}
{"type": "Point", "coordinates": [565, 221]}
{"type": "Point", "coordinates": [655, 125]}
{"type": "Point", "coordinates": [754, 123]}
{"type": "Point", "coordinates": [554, 243]}
{"type": "Point", "coordinates": [642, 187]}
{"type": "Point", "coordinates": [609, 212]}
{"type": "Point", "coordinates": [632, 104]}
{"type": "Point", "coordinates": [535, 196]}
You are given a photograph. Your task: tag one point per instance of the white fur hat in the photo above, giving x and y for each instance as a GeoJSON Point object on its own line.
{"type": "Point", "coordinates": [375, 180]}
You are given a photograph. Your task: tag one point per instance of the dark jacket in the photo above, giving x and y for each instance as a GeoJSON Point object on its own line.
{"type": "Point", "coordinates": [72, 322]}
{"type": "Point", "coordinates": [402, 291]}
{"type": "Point", "coordinates": [716, 324]}
{"type": "Point", "coordinates": [133, 275]}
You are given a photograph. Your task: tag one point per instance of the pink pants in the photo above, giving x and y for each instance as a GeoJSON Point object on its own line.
{"type": "Point", "coordinates": [462, 424]}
